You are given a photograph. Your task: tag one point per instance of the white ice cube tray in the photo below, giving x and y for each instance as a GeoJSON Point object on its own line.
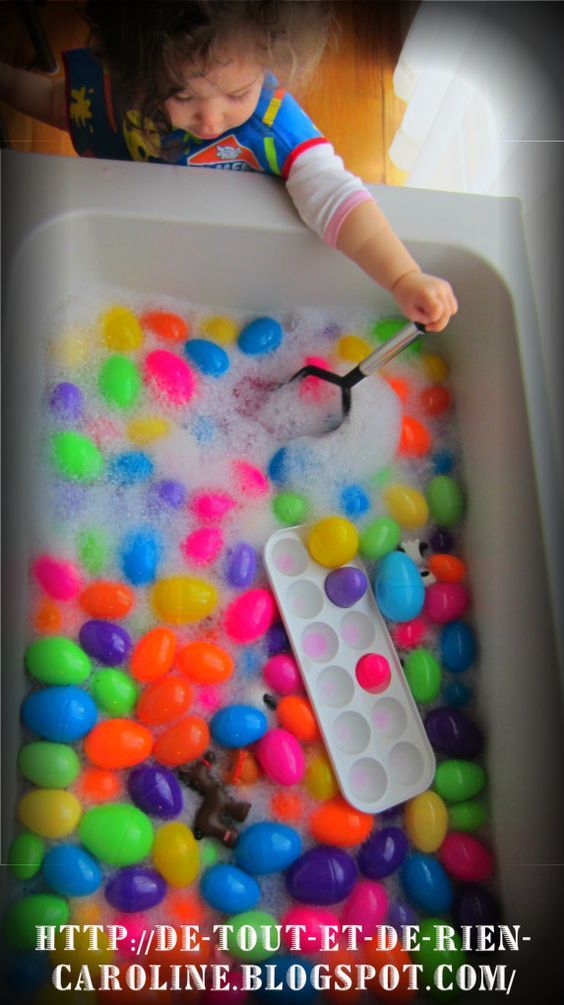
{"type": "Point", "coordinates": [377, 743]}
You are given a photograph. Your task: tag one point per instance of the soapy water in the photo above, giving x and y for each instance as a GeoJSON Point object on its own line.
{"type": "Point", "coordinates": [192, 470]}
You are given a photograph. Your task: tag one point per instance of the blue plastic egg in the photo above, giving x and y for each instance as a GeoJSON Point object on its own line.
{"type": "Point", "coordinates": [267, 847]}
{"type": "Point", "coordinates": [278, 989]}
{"type": "Point", "coordinates": [261, 336]}
{"type": "Point", "coordinates": [238, 725]}
{"type": "Point", "coordinates": [70, 870]}
{"type": "Point", "coordinates": [139, 556]}
{"type": "Point", "coordinates": [241, 565]}
{"type": "Point", "coordinates": [426, 883]}
{"type": "Point", "coordinates": [277, 467]}
{"type": "Point", "coordinates": [398, 587]}
{"type": "Point", "coordinates": [131, 467]}
{"type": "Point", "coordinates": [62, 714]}
{"type": "Point", "coordinates": [323, 875]}
{"type": "Point", "coordinates": [457, 644]}
{"type": "Point", "coordinates": [208, 357]}
{"type": "Point", "coordinates": [457, 693]}
{"type": "Point", "coordinates": [227, 888]}
{"type": "Point", "coordinates": [354, 501]}
{"type": "Point", "coordinates": [443, 462]}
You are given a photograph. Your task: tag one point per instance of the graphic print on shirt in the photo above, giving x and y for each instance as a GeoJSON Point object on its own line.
{"type": "Point", "coordinates": [226, 153]}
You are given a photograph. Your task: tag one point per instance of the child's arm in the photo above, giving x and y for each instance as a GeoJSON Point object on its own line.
{"type": "Point", "coordinates": [30, 94]}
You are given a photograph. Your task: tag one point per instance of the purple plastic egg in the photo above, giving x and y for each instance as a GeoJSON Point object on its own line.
{"type": "Point", "coordinates": [155, 790]}
{"type": "Point", "coordinates": [441, 540]}
{"type": "Point", "coordinates": [453, 733]}
{"type": "Point", "coordinates": [345, 586]}
{"type": "Point", "coordinates": [383, 853]}
{"type": "Point", "coordinates": [475, 905]}
{"type": "Point", "coordinates": [277, 639]}
{"type": "Point", "coordinates": [322, 875]}
{"type": "Point", "coordinates": [105, 642]}
{"type": "Point", "coordinates": [171, 493]}
{"type": "Point", "coordinates": [135, 889]}
{"type": "Point", "coordinates": [66, 402]}
{"type": "Point", "coordinates": [241, 565]}
{"type": "Point", "coordinates": [400, 914]}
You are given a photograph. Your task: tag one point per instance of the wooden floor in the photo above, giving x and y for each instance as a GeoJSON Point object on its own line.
{"type": "Point", "coordinates": [351, 99]}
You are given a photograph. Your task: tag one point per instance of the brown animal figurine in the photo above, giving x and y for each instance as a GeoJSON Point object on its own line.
{"type": "Point", "coordinates": [218, 808]}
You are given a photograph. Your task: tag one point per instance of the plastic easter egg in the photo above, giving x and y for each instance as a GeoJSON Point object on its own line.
{"type": "Point", "coordinates": [443, 462]}
{"type": "Point", "coordinates": [382, 853]}
{"type": "Point", "coordinates": [332, 541]}
{"type": "Point", "coordinates": [135, 889]}
{"type": "Point", "coordinates": [57, 660]}
{"type": "Point", "coordinates": [282, 674]}
{"type": "Point", "coordinates": [427, 955]}
{"type": "Point", "coordinates": [76, 457]}
{"type": "Point", "coordinates": [294, 713]}
{"type": "Point", "coordinates": [26, 855]}
{"type": "Point", "coordinates": [59, 579]}
{"type": "Point", "coordinates": [367, 906]}
{"type": "Point", "coordinates": [169, 377]}
{"type": "Point", "coordinates": [467, 816]}
{"type": "Point", "coordinates": [281, 757]}
{"type": "Point", "coordinates": [345, 586]}
{"type": "Point", "coordinates": [277, 640]}
{"type": "Point", "coordinates": [49, 765]}
{"type": "Point", "coordinates": [62, 714]}
{"type": "Point", "coordinates": [267, 847]}
{"type": "Point", "coordinates": [320, 779]}
{"type": "Point", "coordinates": [211, 505]}
{"type": "Point", "coordinates": [373, 673]}
{"type": "Point", "coordinates": [155, 790]}
{"type": "Point", "coordinates": [118, 834]}
{"type": "Point", "coordinates": [353, 348]}
{"type": "Point", "coordinates": [379, 537]}
{"type": "Point", "coordinates": [238, 725]}
{"type": "Point", "coordinates": [170, 493]}
{"type": "Point", "coordinates": [290, 508]}
{"type": "Point", "coordinates": [281, 991]}
{"type": "Point", "coordinates": [105, 642]}
{"type": "Point", "coordinates": [458, 780]}
{"type": "Point", "coordinates": [51, 813]}
{"type": "Point", "coordinates": [322, 875]}
{"type": "Point", "coordinates": [401, 913]}
{"type": "Point", "coordinates": [203, 545]}
{"type": "Point", "coordinates": [251, 482]}
{"type": "Point", "coordinates": [397, 965]}
{"type": "Point", "coordinates": [250, 615]}
{"type": "Point", "coordinates": [407, 506]}
{"type": "Point", "coordinates": [426, 883]}
{"type": "Point", "coordinates": [205, 663]}
{"type": "Point", "coordinates": [181, 600]}
{"type": "Point", "coordinates": [408, 634]}
{"type": "Point", "coordinates": [69, 870]}
{"type": "Point", "coordinates": [119, 382]}
{"type": "Point", "coordinates": [182, 742]}
{"type": "Point", "coordinates": [208, 357]}
{"type": "Point", "coordinates": [445, 602]}
{"type": "Point", "coordinates": [261, 336]}
{"type": "Point", "coordinates": [118, 743]}
{"type": "Point", "coordinates": [426, 821]}
{"type": "Point", "coordinates": [228, 889]}
{"type": "Point", "coordinates": [423, 674]}
{"type": "Point", "coordinates": [175, 854]}
{"type": "Point", "coordinates": [264, 926]}
{"type": "Point", "coordinates": [447, 568]}
{"type": "Point", "coordinates": [277, 467]}
{"type": "Point", "coordinates": [241, 565]}
{"type": "Point", "coordinates": [220, 328]}
{"type": "Point", "coordinates": [446, 503]}
{"type": "Point", "coordinates": [106, 599]}
{"type": "Point", "coordinates": [66, 402]}
{"type": "Point", "coordinates": [476, 905]}
{"type": "Point", "coordinates": [130, 468]}
{"type": "Point", "coordinates": [453, 733]}
{"type": "Point", "coordinates": [121, 329]}
{"type": "Point", "coordinates": [140, 553]}
{"type": "Point", "coordinates": [335, 822]}
{"type": "Point", "coordinates": [164, 700]}
{"type": "Point", "coordinates": [166, 325]}
{"type": "Point", "coordinates": [354, 501]}
{"type": "Point", "coordinates": [23, 917]}
{"type": "Point", "coordinates": [313, 919]}
{"type": "Point", "coordinates": [398, 587]}
{"type": "Point", "coordinates": [99, 785]}
{"type": "Point", "coordinates": [466, 858]}
{"type": "Point", "coordinates": [114, 692]}
{"type": "Point", "coordinates": [153, 655]}
{"type": "Point", "coordinates": [47, 619]}
{"type": "Point", "coordinates": [92, 550]}
{"type": "Point", "coordinates": [457, 645]}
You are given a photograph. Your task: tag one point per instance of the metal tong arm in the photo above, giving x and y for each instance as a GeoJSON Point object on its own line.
{"type": "Point", "coordinates": [384, 353]}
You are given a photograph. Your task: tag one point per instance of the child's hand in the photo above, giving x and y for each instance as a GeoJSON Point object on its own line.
{"type": "Point", "coordinates": [426, 299]}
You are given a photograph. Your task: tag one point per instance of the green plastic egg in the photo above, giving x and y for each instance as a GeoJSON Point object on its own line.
{"type": "Point", "coordinates": [255, 920]}
{"type": "Point", "coordinates": [92, 550]}
{"type": "Point", "coordinates": [423, 673]}
{"type": "Point", "coordinates": [379, 537]}
{"type": "Point", "coordinates": [459, 780]}
{"type": "Point", "coordinates": [114, 691]}
{"type": "Point", "coordinates": [445, 500]}
{"type": "Point", "coordinates": [76, 457]}
{"type": "Point", "coordinates": [290, 508]}
{"type": "Point", "coordinates": [119, 382]}
{"type": "Point", "coordinates": [116, 833]}
{"type": "Point", "coordinates": [22, 918]}
{"type": "Point", "coordinates": [49, 765]}
{"type": "Point", "coordinates": [56, 660]}
{"type": "Point", "coordinates": [383, 330]}
{"type": "Point", "coordinates": [468, 816]}
{"type": "Point", "coordinates": [26, 855]}
{"type": "Point", "coordinates": [430, 957]}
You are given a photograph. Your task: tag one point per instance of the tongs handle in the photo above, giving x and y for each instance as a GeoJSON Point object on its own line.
{"type": "Point", "coordinates": [394, 345]}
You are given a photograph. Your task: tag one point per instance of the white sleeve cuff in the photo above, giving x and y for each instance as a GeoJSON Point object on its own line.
{"type": "Point", "coordinates": [323, 191]}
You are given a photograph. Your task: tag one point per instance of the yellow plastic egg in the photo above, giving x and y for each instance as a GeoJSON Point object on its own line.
{"type": "Point", "coordinates": [175, 854]}
{"type": "Point", "coordinates": [71, 350]}
{"type": "Point", "coordinates": [406, 505]}
{"type": "Point", "coordinates": [51, 813]}
{"type": "Point", "coordinates": [353, 348]}
{"type": "Point", "coordinates": [121, 330]}
{"type": "Point", "coordinates": [333, 541]}
{"type": "Point", "coordinates": [219, 328]}
{"type": "Point", "coordinates": [435, 367]}
{"type": "Point", "coordinates": [147, 428]}
{"type": "Point", "coordinates": [180, 600]}
{"type": "Point", "coordinates": [426, 821]}
{"type": "Point", "coordinates": [319, 779]}
{"type": "Point", "coordinates": [81, 955]}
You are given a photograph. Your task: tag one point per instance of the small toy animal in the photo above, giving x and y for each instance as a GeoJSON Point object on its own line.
{"type": "Point", "coordinates": [218, 808]}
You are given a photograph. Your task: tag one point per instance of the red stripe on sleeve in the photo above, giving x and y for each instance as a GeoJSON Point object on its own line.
{"type": "Point", "coordinates": [294, 154]}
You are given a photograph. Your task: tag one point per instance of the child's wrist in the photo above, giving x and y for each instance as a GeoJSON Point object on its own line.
{"type": "Point", "coordinates": [408, 272]}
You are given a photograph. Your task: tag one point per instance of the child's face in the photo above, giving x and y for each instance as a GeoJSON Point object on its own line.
{"type": "Point", "coordinates": [221, 100]}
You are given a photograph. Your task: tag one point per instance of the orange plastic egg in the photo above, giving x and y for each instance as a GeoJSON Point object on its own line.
{"type": "Point", "coordinates": [104, 599]}
{"type": "Point", "coordinates": [205, 663]}
{"type": "Point", "coordinates": [153, 655]}
{"type": "Point", "coordinates": [48, 618]}
{"type": "Point", "coordinates": [295, 714]}
{"type": "Point", "coordinates": [164, 700]}
{"type": "Point", "coordinates": [415, 439]}
{"type": "Point", "coordinates": [183, 906]}
{"type": "Point", "coordinates": [243, 768]}
{"type": "Point", "coordinates": [287, 806]}
{"type": "Point", "coordinates": [118, 743]}
{"type": "Point", "coordinates": [336, 822]}
{"type": "Point", "coordinates": [97, 785]}
{"type": "Point", "coordinates": [435, 400]}
{"type": "Point", "coordinates": [166, 325]}
{"type": "Point", "coordinates": [447, 568]}
{"type": "Point", "coordinates": [399, 959]}
{"type": "Point", "coordinates": [400, 385]}
{"type": "Point", "coordinates": [183, 742]}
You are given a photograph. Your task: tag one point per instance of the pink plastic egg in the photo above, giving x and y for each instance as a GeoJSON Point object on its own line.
{"type": "Point", "coordinates": [466, 858]}
{"type": "Point", "coordinates": [313, 919]}
{"type": "Point", "coordinates": [281, 757]}
{"type": "Point", "coordinates": [367, 906]}
{"type": "Point", "coordinates": [445, 602]}
{"type": "Point", "coordinates": [249, 616]}
{"type": "Point", "coordinates": [135, 925]}
{"type": "Point", "coordinates": [211, 505]}
{"type": "Point", "coordinates": [282, 674]}
{"type": "Point", "coordinates": [203, 546]}
{"type": "Point", "coordinates": [210, 697]}
{"type": "Point", "coordinates": [169, 376]}
{"type": "Point", "coordinates": [58, 577]}
{"type": "Point", "coordinates": [313, 387]}
{"type": "Point", "coordinates": [373, 673]}
{"type": "Point", "coordinates": [409, 634]}
{"type": "Point", "coordinates": [251, 482]}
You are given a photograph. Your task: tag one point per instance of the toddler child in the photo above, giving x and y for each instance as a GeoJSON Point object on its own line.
{"type": "Point", "coordinates": [199, 84]}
